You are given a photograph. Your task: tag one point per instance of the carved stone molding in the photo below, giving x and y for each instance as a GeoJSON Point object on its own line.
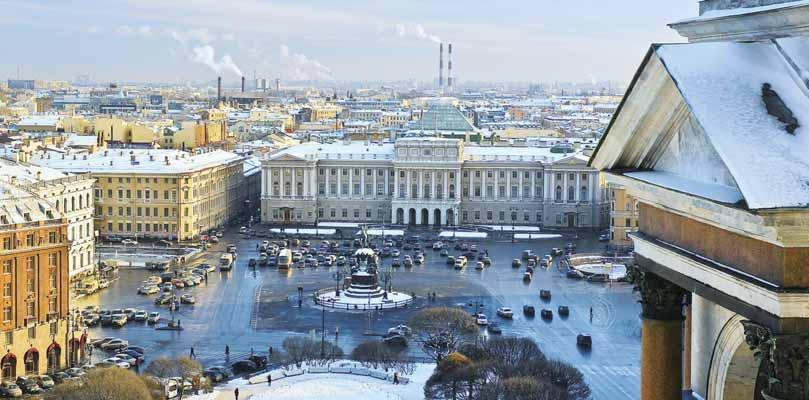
{"type": "Point", "coordinates": [660, 299]}
{"type": "Point", "coordinates": [785, 361]}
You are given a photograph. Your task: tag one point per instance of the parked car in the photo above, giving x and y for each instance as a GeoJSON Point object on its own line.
{"type": "Point", "coordinates": [545, 294]}
{"type": "Point", "coordinates": [403, 330]}
{"type": "Point", "coordinates": [563, 311]}
{"type": "Point", "coordinates": [505, 312]}
{"type": "Point", "coordinates": [546, 314]}
{"type": "Point", "coordinates": [140, 316]}
{"type": "Point", "coordinates": [244, 366]}
{"type": "Point", "coordinates": [10, 389]}
{"type": "Point", "coordinates": [187, 299]}
{"type": "Point", "coordinates": [526, 254]}
{"type": "Point", "coordinates": [28, 385]}
{"type": "Point", "coordinates": [574, 274]}
{"type": "Point", "coordinates": [75, 372]}
{"type": "Point", "coordinates": [58, 377]}
{"type": "Point", "coordinates": [123, 356]}
{"type": "Point", "coordinates": [113, 345]}
{"type": "Point", "coordinates": [450, 260]}
{"type": "Point", "coordinates": [118, 320]}
{"type": "Point", "coordinates": [154, 317]}
{"type": "Point", "coordinates": [45, 381]}
{"type": "Point", "coordinates": [482, 320]}
{"type": "Point", "coordinates": [129, 242]}
{"type": "Point", "coordinates": [99, 342]}
{"type": "Point", "coordinates": [217, 373]}
{"type": "Point", "coordinates": [516, 263]}
{"type": "Point", "coordinates": [526, 277]}
{"type": "Point", "coordinates": [584, 341]}
{"type": "Point", "coordinates": [528, 311]}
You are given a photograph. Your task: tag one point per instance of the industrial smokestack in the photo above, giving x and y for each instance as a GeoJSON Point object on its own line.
{"type": "Point", "coordinates": [242, 84]}
{"type": "Point", "coordinates": [277, 85]}
{"type": "Point", "coordinates": [441, 65]}
{"type": "Point", "coordinates": [218, 89]}
{"type": "Point", "coordinates": [449, 67]}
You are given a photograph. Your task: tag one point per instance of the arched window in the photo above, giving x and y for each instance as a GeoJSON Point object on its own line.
{"type": "Point", "coordinates": [570, 193]}
{"type": "Point", "coordinates": [72, 203]}
{"type": "Point", "coordinates": [9, 365]}
{"type": "Point", "coordinates": [558, 193]}
{"type": "Point", "coordinates": [81, 202]}
{"type": "Point", "coordinates": [583, 194]}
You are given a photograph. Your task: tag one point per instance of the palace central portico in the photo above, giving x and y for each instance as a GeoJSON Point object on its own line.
{"type": "Point", "coordinates": [712, 139]}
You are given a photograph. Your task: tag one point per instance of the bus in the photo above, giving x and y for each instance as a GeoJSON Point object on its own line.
{"type": "Point", "coordinates": [284, 259]}
{"type": "Point", "coordinates": [226, 261]}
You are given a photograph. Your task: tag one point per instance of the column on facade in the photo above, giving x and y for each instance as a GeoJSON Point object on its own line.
{"type": "Point", "coordinates": [307, 182]}
{"type": "Point", "coordinates": [471, 183]}
{"type": "Point", "coordinates": [446, 185]}
{"type": "Point", "coordinates": [374, 191]}
{"type": "Point", "coordinates": [483, 183]}
{"type": "Point", "coordinates": [497, 185]}
{"type": "Point", "coordinates": [661, 339]}
{"type": "Point", "coordinates": [339, 182]}
{"type": "Point", "coordinates": [458, 190]}
{"type": "Point", "coordinates": [420, 190]}
{"type": "Point", "coordinates": [266, 184]}
{"type": "Point", "coordinates": [362, 184]}
{"type": "Point", "coordinates": [292, 185]}
{"type": "Point", "coordinates": [520, 189]}
{"type": "Point", "coordinates": [576, 190]}
{"type": "Point", "coordinates": [508, 185]}
{"type": "Point", "coordinates": [350, 183]}
{"type": "Point", "coordinates": [395, 184]}
{"type": "Point", "coordinates": [409, 184]}
{"type": "Point", "coordinates": [533, 194]}
{"type": "Point", "coordinates": [564, 186]}
{"type": "Point", "coordinates": [385, 193]}
{"type": "Point", "coordinates": [593, 187]}
{"type": "Point", "coordinates": [327, 189]}
{"type": "Point", "coordinates": [550, 189]}
{"type": "Point", "coordinates": [686, 342]}
{"type": "Point", "coordinates": [433, 179]}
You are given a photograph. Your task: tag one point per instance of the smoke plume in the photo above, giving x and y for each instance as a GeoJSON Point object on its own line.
{"type": "Point", "coordinates": [206, 55]}
{"type": "Point", "coordinates": [300, 67]}
{"type": "Point", "coordinates": [416, 31]}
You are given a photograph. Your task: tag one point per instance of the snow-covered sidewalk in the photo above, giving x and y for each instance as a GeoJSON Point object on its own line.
{"type": "Point", "coordinates": [324, 386]}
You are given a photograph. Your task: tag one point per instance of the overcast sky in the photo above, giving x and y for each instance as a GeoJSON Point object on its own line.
{"type": "Point", "coordinates": [183, 40]}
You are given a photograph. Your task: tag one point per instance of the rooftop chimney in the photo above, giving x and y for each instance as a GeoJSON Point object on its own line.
{"type": "Point", "coordinates": [441, 65]}
{"type": "Point", "coordinates": [449, 67]}
{"type": "Point", "coordinates": [242, 84]}
{"type": "Point", "coordinates": [218, 89]}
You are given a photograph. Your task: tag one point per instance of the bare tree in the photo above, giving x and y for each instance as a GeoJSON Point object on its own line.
{"type": "Point", "coordinates": [103, 384]}
{"type": "Point", "coordinates": [304, 350]}
{"type": "Point", "coordinates": [441, 330]}
{"type": "Point", "coordinates": [377, 354]}
{"type": "Point", "coordinates": [454, 378]}
{"type": "Point", "coordinates": [165, 367]}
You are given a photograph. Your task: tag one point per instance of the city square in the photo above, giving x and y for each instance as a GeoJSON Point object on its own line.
{"type": "Point", "coordinates": [253, 308]}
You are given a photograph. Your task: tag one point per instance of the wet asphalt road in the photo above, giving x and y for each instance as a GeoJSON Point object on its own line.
{"type": "Point", "coordinates": [247, 308]}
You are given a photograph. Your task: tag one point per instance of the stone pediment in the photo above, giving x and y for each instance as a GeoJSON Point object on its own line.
{"type": "Point", "coordinates": [287, 157]}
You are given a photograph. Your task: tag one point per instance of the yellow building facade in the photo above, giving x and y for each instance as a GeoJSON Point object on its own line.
{"type": "Point", "coordinates": [623, 215]}
{"type": "Point", "coordinates": [166, 194]}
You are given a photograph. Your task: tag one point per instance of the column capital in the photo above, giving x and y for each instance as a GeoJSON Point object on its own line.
{"type": "Point", "coordinates": [660, 299]}
{"type": "Point", "coordinates": [785, 361]}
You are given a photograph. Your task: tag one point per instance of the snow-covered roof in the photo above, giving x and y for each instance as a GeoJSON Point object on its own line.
{"type": "Point", "coordinates": [715, 14]}
{"type": "Point", "coordinates": [338, 151]}
{"type": "Point", "coordinates": [710, 191]}
{"type": "Point", "coordinates": [23, 173]}
{"type": "Point", "coordinates": [722, 84]}
{"type": "Point", "coordinates": [81, 141]}
{"type": "Point", "coordinates": [40, 120]}
{"type": "Point", "coordinates": [147, 161]}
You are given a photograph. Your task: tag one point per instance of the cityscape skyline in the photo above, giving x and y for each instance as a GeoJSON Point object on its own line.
{"type": "Point", "coordinates": [191, 41]}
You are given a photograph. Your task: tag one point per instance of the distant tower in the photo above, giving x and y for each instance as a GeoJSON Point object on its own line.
{"type": "Point", "coordinates": [441, 66]}
{"type": "Point", "coordinates": [218, 90]}
{"type": "Point", "coordinates": [449, 68]}
{"type": "Point", "coordinates": [277, 85]}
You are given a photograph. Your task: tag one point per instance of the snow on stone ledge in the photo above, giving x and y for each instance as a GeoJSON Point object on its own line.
{"type": "Point", "coordinates": [722, 84]}
{"type": "Point", "coordinates": [720, 193]}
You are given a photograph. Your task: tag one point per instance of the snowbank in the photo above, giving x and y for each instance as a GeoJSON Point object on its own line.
{"type": "Point", "coordinates": [536, 236]}
{"type": "Point", "coordinates": [464, 235]}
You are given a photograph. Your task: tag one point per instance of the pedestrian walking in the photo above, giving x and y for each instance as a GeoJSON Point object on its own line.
{"type": "Point", "coordinates": [227, 351]}
{"type": "Point", "coordinates": [193, 356]}
{"type": "Point", "coordinates": [591, 314]}
{"type": "Point", "coordinates": [395, 378]}
{"type": "Point", "coordinates": [269, 379]}
{"type": "Point", "coordinates": [236, 393]}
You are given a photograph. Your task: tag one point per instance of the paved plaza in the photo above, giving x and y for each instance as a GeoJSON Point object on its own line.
{"type": "Point", "coordinates": [256, 308]}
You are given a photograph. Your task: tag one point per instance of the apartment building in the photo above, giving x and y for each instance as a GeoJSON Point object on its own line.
{"type": "Point", "coordinates": [34, 262]}
{"type": "Point", "coordinates": [165, 194]}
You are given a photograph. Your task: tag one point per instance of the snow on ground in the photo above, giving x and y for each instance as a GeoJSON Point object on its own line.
{"type": "Point", "coordinates": [516, 228]}
{"type": "Point", "coordinates": [461, 234]}
{"type": "Point", "coordinates": [386, 232]}
{"type": "Point", "coordinates": [305, 231]}
{"type": "Point", "coordinates": [616, 271]}
{"type": "Point", "coordinates": [339, 224]}
{"type": "Point", "coordinates": [536, 236]}
{"type": "Point", "coordinates": [327, 386]}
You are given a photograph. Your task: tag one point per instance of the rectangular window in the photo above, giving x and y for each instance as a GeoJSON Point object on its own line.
{"type": "Point", "coordinates": [345, 213]}
{"type": "Point", "coordinates": [477, 215]}
{"type": "Point", "coordinates": [489, 215]}
{"type": "Point", "coordinates": [501, 215]}
{"type": "Point", "coordinates": [7, 289]}
{"type": "Point", "coordinates": [8, 266]}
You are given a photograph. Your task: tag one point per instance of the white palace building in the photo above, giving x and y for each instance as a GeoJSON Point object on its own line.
{"type": "Point", "coordinates": [431, 181]}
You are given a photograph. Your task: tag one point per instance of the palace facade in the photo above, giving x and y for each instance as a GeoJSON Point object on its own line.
{"type": "Point", "coordinates": [431, 181]}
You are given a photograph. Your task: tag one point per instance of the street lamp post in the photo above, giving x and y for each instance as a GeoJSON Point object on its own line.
{"type": "Point", "coordinates": [323, 332]}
